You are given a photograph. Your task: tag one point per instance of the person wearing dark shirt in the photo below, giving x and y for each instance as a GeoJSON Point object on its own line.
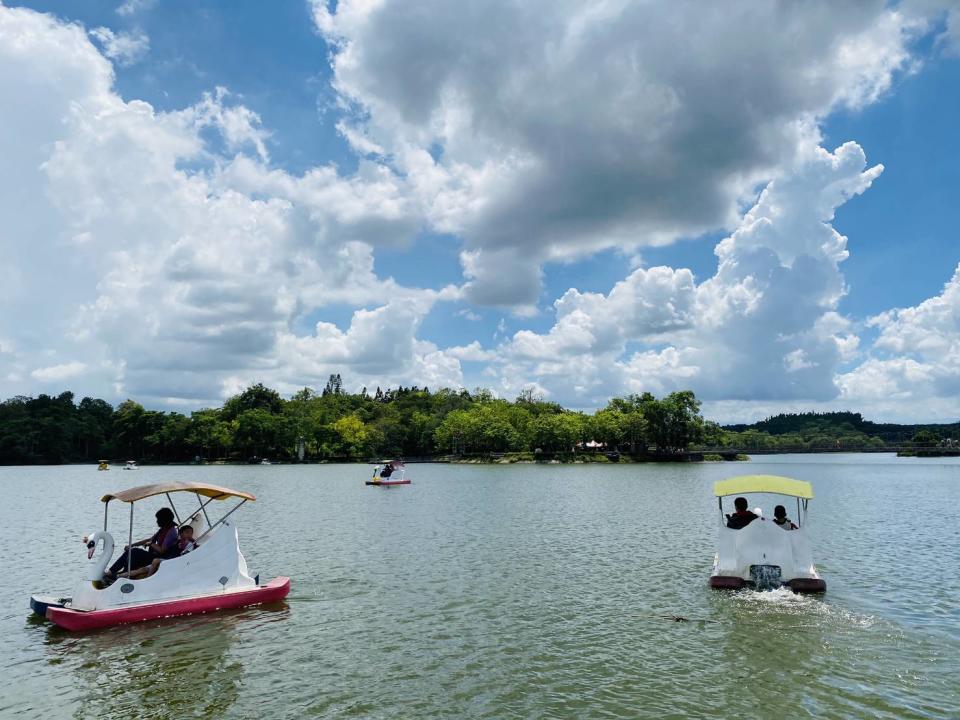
{"type": "Point", "coordinates": [387, 471]}
{"type": "Point", "coordinates": [162, 544]}
{"type": "Point", "coordinates": [742, 517]}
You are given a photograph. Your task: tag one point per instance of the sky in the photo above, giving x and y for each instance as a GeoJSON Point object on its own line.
{"type": "Point", "coordinates": [754, 201]}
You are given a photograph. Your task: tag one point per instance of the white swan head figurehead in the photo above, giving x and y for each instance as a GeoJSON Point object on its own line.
{"type": "Point", "coordinates": [97, 562]}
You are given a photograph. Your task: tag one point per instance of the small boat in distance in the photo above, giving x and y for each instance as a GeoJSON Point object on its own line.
{"type": "Point", "coordinates": [131, 465]}
{"type": "Point", "coordinates": [386, 476]}
{"type": "Point", "coordinates": [103, 464]}
{"type": "Point", "coordinates": [761, 553]}
{"type": "Point", "coordinates": [212, 576]}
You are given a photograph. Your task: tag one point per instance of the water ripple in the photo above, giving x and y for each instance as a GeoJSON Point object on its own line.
{"type": "Point", "coordinates": [524, 592]}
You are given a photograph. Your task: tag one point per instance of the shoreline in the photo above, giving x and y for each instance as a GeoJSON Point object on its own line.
{"type": "Point", "coordinates": [528, 458]}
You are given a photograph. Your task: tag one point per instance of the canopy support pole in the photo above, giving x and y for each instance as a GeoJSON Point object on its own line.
{"type": "Point", "coordinates": [220, 521]}
{"type": "Point", "coordinates": [203, 507]}
{"type": "Point", "coordinates": [130, 542]}
{"type": "Point", "coordinates": [105, 506]}
{"type": "Point", "coordinates": [174, 508]}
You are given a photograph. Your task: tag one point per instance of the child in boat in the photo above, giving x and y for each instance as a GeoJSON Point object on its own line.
{"type": "Point", "coordinates": [781, 519]}
{"type": "Point", "coordinates": [185, 543]}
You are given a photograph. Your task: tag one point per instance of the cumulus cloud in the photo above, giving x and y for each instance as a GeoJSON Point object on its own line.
{"type": "Point", "coordinates": [915, 358]}
{"type": "Point", "coordinates": [547, 130]}
{"type": "Point", "coordinates": [164, 256]}
{"type": "Point", "coordinates": [169, 264]}
{"type": "Point", "coordinates": [122, 47]}
{"type": "Point", "coordinates": [764, 326]}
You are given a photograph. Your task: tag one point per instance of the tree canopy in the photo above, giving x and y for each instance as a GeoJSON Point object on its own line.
{"type": "Point", "coordinates": [407, 422]}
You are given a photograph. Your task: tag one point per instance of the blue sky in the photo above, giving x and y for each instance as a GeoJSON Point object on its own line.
{"type": "Point", "coordinates": [588, 199]}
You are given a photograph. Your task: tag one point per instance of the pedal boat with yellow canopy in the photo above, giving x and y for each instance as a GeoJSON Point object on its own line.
{"type": "Point", "coordinates": [764, 555]}
{"type": "Point", "coordinates": [213, 576]}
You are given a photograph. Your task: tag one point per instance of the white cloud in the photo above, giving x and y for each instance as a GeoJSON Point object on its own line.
{"type": "Point", "coordinates": [166, 268]}
{"type": "Point", "coordinates": [165, 256]}
{"type": "Point", "coordinates": [473, 352]}
{"type": "Point", "coordinates": [764, 326]}
{"type": "Point", "coordinates": [916, 358]}
{"type": "Point", "coordinates": [122, 47]}
{"type": "Point", "coordinates": [65, 371]}
{"type": "Point", "coordinates": [132, 7]}
{"type": "Point", "coordinates": [469, 315]}
{"type": "Point", "coordinates": [547, 130]}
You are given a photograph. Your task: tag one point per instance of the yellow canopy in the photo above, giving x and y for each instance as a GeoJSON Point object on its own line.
{"type": "Point", "coordinates": [144, 491]}
{"type": "Point", "coordinates": [763, 484]}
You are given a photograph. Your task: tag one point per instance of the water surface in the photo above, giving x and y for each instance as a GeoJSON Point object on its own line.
{"type": "Point", "coordinates": [505, 592]}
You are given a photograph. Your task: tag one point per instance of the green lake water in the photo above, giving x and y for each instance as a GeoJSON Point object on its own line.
{"type": "Point", "coordinates": [505, 592]}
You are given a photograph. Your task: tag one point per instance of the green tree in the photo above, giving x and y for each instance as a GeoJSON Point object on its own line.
{"type": "Point", "coordinates": [131, 427]}
{"type": "Point", "coordinates": [674, 422]}
{"type": "Point", "coordinates": [925, 438]}
{"type": "Point", "coordinates": [353, 436]}
{"type": "Point", "coordinates": [558, 433]}
{"type": "Point", "coordinates": [255, 397]}
{"type": "Point", "coordinates": [256, 432]}
{"type": "Point", "coordinates": [608, 427]}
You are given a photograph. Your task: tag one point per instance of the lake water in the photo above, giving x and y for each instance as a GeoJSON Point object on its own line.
{"type": "Point", "coordinates": [505, 592]}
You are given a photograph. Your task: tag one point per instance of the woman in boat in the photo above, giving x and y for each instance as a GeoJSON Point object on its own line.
{"type": "Point", "coordinates": [185, 543]}
{"type": "Point", "coordinates": [387, 471]}
{"type": "Point", "coordinates": [162, 544]}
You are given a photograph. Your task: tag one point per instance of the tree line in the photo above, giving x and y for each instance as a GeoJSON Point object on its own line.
{"type": "Point", "coordinates": [836, 431]}
{"type": "Point", "coordinates": [335, 424]}
{"type": "Point", "coordinates": [411, 422]}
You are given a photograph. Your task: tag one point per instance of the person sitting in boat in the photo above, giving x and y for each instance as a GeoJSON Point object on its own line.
{"type": "Point", "coordinates": [387, 471]}
{"type": "Point", "coordinates": [185, 543]}
{"type": "Point", "coordinates": [162, 544]}
{"type": "Point", "coordinates": [742, 517]}
{"type": "Point", "coordinates": [781, 519]}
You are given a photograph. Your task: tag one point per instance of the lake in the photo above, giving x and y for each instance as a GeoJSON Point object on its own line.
{"type": "Point", "coordinates": [505, 592]}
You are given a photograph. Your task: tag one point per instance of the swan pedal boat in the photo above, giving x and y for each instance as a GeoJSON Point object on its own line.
{"type": "Point", "coordinates": [391, 479]}
{"type": "Point", "coordinates": [211, 577]}
{"type": "Point", "coordinates": [763, 555]}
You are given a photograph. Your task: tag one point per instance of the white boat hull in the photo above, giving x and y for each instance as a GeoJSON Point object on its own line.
{"type": "Point", "coordinates": [762, 553]}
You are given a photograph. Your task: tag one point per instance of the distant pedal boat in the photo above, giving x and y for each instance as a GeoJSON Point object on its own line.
{"type": "Point", "coordinates": [763, 555]}
{"type": "Point", "coordinates": [212, 577]}
{"type": "Point", "coordinates": [393, 479]}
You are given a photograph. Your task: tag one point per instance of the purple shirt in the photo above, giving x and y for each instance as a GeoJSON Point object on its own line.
{"type": "Point", "coordinates": [166, 538]}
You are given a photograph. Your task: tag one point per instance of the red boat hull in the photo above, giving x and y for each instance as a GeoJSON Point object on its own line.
{"type": "Point", "coordinates": [727, 582]}
{"type": "Point", "coordinates": [274, 591]}
{"type": "Point", "coordinates": [798, 585]}
{"type": "Point", "coordinates": [388, 482]}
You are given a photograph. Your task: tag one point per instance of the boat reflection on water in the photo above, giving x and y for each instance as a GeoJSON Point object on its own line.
{"type": "Point", "coordinates": [178, 667]}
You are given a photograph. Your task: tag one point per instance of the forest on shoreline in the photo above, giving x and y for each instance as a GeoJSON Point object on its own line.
{"type": "Point", "coordinates": [415, 422]}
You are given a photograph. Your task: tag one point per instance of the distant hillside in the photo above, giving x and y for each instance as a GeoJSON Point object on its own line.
{"type": "Point", "coordinates": [832, 423]}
